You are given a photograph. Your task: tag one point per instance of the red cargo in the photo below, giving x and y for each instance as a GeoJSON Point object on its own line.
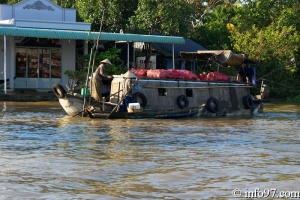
{"type": "Point", "coordinates": [182, 74]}
{"type": "Point", "coordinates": [202, 77]}
{"type": "Point", "coordinates": [216, 76]}
{"type": "Point", "coordinates": [157, 73]}
{"type": "Point", "coordinates": [139, 72]}
{"type": "Point", "coordinates": [188, 75]}
{"type": "Point", "coordinates": [173, 74]}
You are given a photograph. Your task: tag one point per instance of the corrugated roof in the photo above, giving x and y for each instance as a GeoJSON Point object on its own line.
{"type": "Point", "coordinates": [85, 35]}
{"type": "Point", "coordinates": [189, 45]}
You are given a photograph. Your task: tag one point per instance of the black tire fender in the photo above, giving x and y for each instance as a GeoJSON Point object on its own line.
{"type": "Point", "coordinates": [182, 101]}
{"type": "Point", "coordinates": [59, 91]}
{"type": "Point", "coordinates": [212, 105]}
{"type": "Point", "coordinates": [139, 97]}
{"type": "Point", "coordinates": [248, 101]}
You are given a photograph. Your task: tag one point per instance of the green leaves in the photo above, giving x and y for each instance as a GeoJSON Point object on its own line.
{"type": "Point", "coordinates": [268, 31]}
{"type": "Point", "coordinates": [164, 16]}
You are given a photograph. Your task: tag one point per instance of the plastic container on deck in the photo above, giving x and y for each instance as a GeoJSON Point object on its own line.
{"type": "Point", "coordinates": [85, 91]}
{"type": "Point", "coordinates": [134, 107]}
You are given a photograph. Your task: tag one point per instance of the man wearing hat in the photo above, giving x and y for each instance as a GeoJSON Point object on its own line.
{"type": "Point", "coordinates": [126, 93]}
{"type": "Point", "coordinates": [100, 70]}
{"type": "Point", "coordinates": [98, 88]}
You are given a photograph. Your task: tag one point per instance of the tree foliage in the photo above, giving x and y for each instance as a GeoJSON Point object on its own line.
{"type": "Point", "coordinates": [268, 31]}
{"type": "Point", "coordinates": [90, 11]}
{"type": "Point", "coordinates": [164, 16]}
{"type": "Point", "coordinates": [116, 13]}
{"type": "Point", "coordinates": [213, 33]}
{"type": "Point", "coordinates": [113, 54]}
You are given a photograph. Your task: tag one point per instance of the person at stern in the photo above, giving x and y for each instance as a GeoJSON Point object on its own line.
{"type": "Point", "coordinates": [245, 73]}
{"type": "Point", "coordinates": [99, 86]}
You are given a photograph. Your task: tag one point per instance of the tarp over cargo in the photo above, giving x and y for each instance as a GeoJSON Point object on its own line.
{"type": "Point", "coordinates": [224, 58]}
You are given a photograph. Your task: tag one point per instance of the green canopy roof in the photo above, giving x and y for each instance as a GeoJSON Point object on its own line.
{"type": "Point", "coordinates": [86, 35]}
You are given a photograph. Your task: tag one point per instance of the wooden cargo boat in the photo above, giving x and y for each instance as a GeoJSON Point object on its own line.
{"type": "Point", "coordinates": [154, 97]}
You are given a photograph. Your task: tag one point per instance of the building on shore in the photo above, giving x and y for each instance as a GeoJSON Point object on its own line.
{"type": "Point", "coordinates": [36, 55]}
{"type": "Point", "coordinates": [38, 43]}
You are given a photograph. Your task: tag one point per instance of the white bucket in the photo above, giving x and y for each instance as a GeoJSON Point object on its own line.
{"type": "Point", "coordinates": [134, 106]}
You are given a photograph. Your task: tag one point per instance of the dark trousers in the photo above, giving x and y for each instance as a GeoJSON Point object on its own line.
{"type": "Point", "coordinates": [125, 103]}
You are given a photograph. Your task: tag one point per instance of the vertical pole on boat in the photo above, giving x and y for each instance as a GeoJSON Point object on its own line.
{"type": "Point", "coordinates": [128, 55]}
{"type": "Point", "coordinates": [133, 56]}
{"type": "Point", "coordinates": [173, 56]}
{"type": "Point", "coordinates": [4, 60]}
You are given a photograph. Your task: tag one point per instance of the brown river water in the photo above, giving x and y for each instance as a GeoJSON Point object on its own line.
{"type": "Point", "coordinates": [45, 154]}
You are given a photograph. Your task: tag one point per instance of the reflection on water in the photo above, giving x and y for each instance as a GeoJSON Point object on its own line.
{"type": "Point", "coordinates": [48, 155]}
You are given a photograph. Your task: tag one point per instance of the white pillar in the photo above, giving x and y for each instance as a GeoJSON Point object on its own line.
{"type": "Point", "coordinates": [173, 56]}
{"type": "Point", "coordinates": [133, 56]}
{"type": "Point", "coordinates": [4, 59]}
{"type": "Point", "coordinates": [128, 55]}
{"type": "Point", "coordinates": [12, 63]}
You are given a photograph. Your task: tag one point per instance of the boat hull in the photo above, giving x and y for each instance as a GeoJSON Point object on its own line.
{"type": "Point", "coordinates": [145, 114]}
{"type": "Point", "coordinates": [168, 99]}
{"type": "Point", "coordinates": [72, 105]}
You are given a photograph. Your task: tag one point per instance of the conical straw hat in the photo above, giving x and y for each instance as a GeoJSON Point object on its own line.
{"type": "Point", "coordinates": [129, 74]}
{"type": "Point", "coordinates": [106, 61]}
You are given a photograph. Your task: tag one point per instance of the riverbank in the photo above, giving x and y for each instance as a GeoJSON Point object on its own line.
{"type": "Point", "coordinates": [28, 96]}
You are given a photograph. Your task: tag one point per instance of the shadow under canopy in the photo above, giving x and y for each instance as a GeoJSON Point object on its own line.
{"type": "Point", "coordinates": [225, 58]}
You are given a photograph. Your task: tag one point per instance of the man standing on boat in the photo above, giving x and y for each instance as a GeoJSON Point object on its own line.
{"type": "Point", "coordinates": [127, 94]}
{"type": "Point", "coordinates": [245, 73]}
{"type": "Point", "coordinates": [97, 87]}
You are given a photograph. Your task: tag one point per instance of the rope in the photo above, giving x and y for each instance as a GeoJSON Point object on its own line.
{"type": "Point", "coordinates": [92, 60]}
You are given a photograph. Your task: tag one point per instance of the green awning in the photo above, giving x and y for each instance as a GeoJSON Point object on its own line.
{"type": "Point", "coordinates": [86, 35]}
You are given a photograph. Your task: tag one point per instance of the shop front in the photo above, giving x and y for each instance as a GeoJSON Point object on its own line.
{"type": "Point", "coordinates": [37, 67]}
